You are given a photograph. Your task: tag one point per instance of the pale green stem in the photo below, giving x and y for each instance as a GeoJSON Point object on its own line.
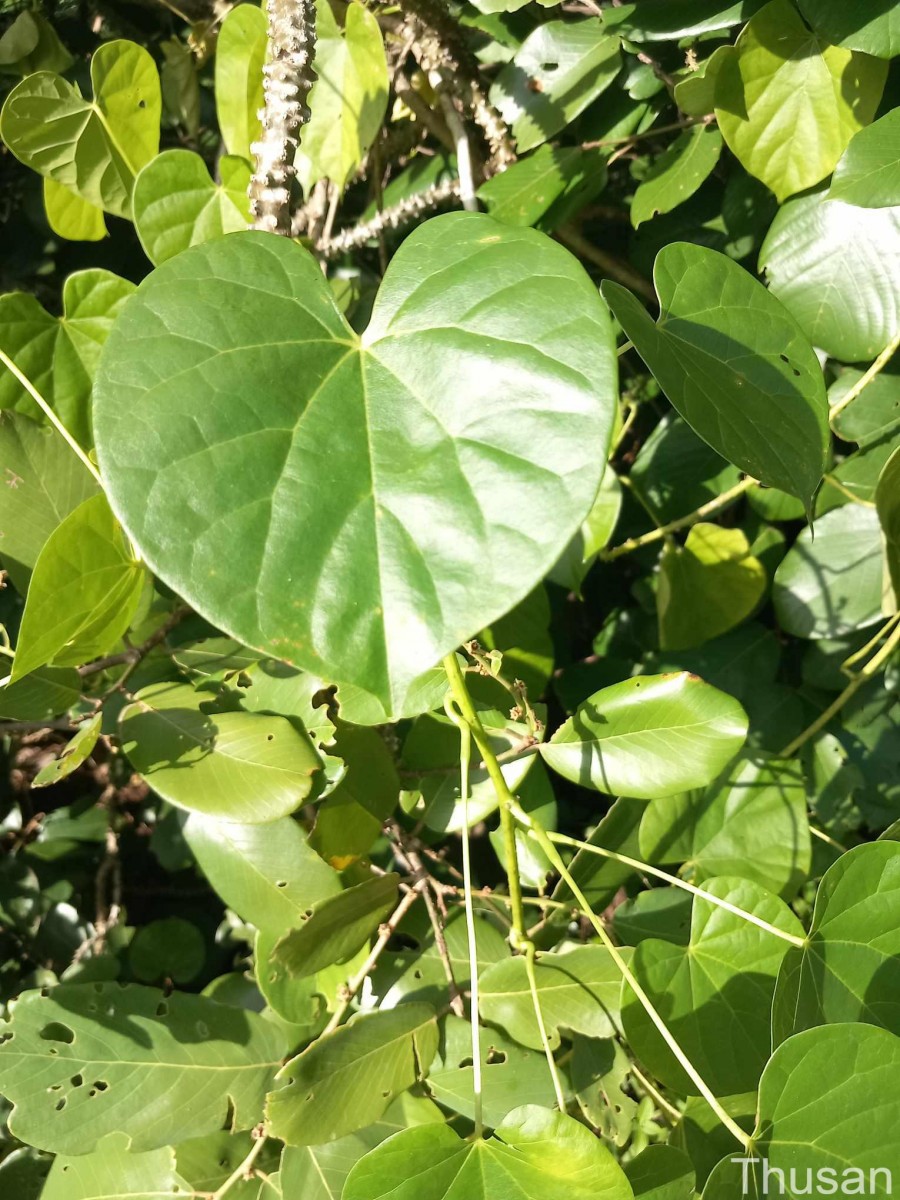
{"type": "Point", "coordinates": [465, 755]}
{"type": "Point", "coordinates": [863, 382]}
{"type": "Point", "coordinates": [705, 510]}
{"type": "Point", "coordinates": [871, 668]}
{"type": "Point", "coordinates": [674, 880]}
{"type": "Point", "coordinates": [48, 413]}
{"type": "Point", "coordinates": [625, 971]}
{"type": "Point", "coordinates": [542, 1029]}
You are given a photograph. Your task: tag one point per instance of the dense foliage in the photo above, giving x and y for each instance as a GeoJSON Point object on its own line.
{"type": "Point", "coordinates": [450, 721]}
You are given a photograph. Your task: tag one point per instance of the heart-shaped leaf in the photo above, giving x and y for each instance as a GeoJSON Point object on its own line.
{"type": "Point", "coordinates": [715, 994]}
{"type": "Point", "coordinates": [652, 736]}
{"type": "Point", "coordinates": [93, 147]}
{"type": "Point", "coordinates": [533, 1153]}
{"type": "Point", "coordinates": [212, 438]}
{"type": "Point", "coordinates": [60, 354]}
{"type": "Point", "coordinates": [88, 1059]}
{"type": "Point", "coordinates": [176, 204]}
{"type": "Point", "coordinates": [735, 365]}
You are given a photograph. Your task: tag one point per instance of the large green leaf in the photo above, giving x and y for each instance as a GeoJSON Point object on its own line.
{"type": "Point", "coordinates": [735, 364]}
{"type": "Point", "coordinates": [707, 586]}
{"type": "Point", "coordinates": [176, 203]}
{"type": "Point", "coordinates": [523, 193]}
{"type": "Point", "coordinates": [93, 147]}
{"type": "Point", "coordinates": [240, 56]}
{"type": "Point", "coordinates": [239, 766]}
{"type": "Point", "coordinates": [534, 1153]}
{"type": "Point", "coordinates": [83, 593]}
{"type": "Point", "coordinates": [750, 823]}
{"type": "Point", "coordinates": [646, 737]}
{"type": "Point", "coordinates": [830, 1100]}
{"type": "Point", "coordinates": [558, 70]}
{"type": "Point", "coordinates": [868, 174]}
{"type": "Point", "coordinates": [348, 101]}
{"type": "Point", "coordinates": [836, 268]}
{"type": "Point", "coordinates": [44, 693]}
{"type": "Point", "coordinates": [874, 28]}
{"type": "Point", "coordinates": [45, 482]}
{"type": "Point", "coordinates": [831, 581]}
{"type": "Point", "coordinates": [677, 173]}
{"type": "Point", "coordinates": [266, 873]}
{"type": "Point", "coordinates": [849, 970]}
{"type": "Point", "coordinates": [114, 1173]}
{"type": "Point", "coordinates": [335, 928]}
{"type": "Point", "coordinates": [350, 569]}
{"type": "Point", "coordinates": [88, 1059]}
{"type": "Point", "coordinates": [659, 20]}
{"type": "Point", "coordinates": [788, 104]}
{"type": "Point", "coordinates": [60, 354]}
{"type": "Point", "coordinates": [715, 994]}
{"type": "Point", "coordinates": [578, 990]}
{"type": "Point", "coordinates": [346, 1080]}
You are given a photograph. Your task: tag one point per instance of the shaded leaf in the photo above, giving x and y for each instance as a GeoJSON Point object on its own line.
{"type": "Point", "coordinates": [868, 174]}
{"type": "Point", "coordinates": [677, 173]}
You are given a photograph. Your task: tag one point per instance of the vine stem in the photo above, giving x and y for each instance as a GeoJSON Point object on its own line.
{"type": "Point", "coordinates": [465, 758]}
{"type": "Point", "coordinates": [862, 676]}
{"type": "Point", "coordinates": [242, 1170]}
{"type": "Point", "coordinates": [645, 868]}
{"type": "Point", "coordinates": [49, 413]}
{"type": "Point", "coordinates": [625, 971]}
{"type": "Point", "coordinates": [705, 510]}
{"type": "Point", "coordinates": [863, 382]}
{"type": "Point", "coordinates": [467, 715]}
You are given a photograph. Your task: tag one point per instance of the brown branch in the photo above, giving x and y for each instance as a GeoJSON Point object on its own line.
{"type": "Point", "coordinates": [614, 267]}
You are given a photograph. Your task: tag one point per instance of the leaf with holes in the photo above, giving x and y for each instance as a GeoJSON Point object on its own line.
{"type": "Point", "coordinates": [350, 570]}
{"type": "Point", "coordinates": [88, 1059]}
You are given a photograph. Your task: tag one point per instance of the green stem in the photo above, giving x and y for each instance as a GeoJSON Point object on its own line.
{"type": "Point", "coordinates": [705, 510]}
{"type": "Point", "coordinates": [542, 1029]}
{"type": "Point", "coordinates": [699, 1082]}
{"type": "Point", "coordinates": [674, 880]}
{"type": "Point", "coordinates": [469, 714]}
{"type": "Point", "coordinates": [49, 413]}
{"type": "Point", "coordinates": [863, 676]}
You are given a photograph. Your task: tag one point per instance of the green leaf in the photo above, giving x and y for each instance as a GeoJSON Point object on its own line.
{"type": "Point", "coordinates": [180, 85]}
{"type": "Point", "coordinates": [349, 99]}
{"type": "Point", "coordinates": [176, 204]}
{"type": "Point", "coordinates": [167, 949]}
{"type": "Point", "coordinates": [849, 969]}
{"type": "Point", "coordinates": [466, 293]}
{"type": "Point", "coordinates": [60, 354]}
{"type": "Point", "coordinates": [534, 1152]}
{"type": "Point", "coordinates": [346, 1080]}
{"type": "Point", "coordinates": [707, 586]}
{"type": "Point", "coordinates": [523, 193]}
{"type": "Point", "coordinates": [45, 482]}
{"type": "Point", "coordinates": [88, 1059]}
{"type": "Point", "coordinates": [335, 928]}
{"type": "Point", "coordinates": [695, 93]}
{"type": "Point", "coordinates": [267, 873]}
{"type": "Point", "coordinates": [114, 1173]}
{"type": "Point", "coordinates": [94, 147]}
{"type": "Point", "coordinates": [830, 1099]}
{"type": "Point", "coordinates": [874, 29]}
{"type": "Point", "coordinates": [836, 269]}
{"type": "Point", "coordinates": [877, 418]}
{"type": "Point", "coordinates": [868, 174]}
{"type": "Point", "coordinates": [887, 501]}
{"type": "Point", "coordinates": [579, 991]}
{"type": "Point", "coordinates": [787, 105]}
{"type": "Point", "coordinates": [240, 56]}
{"type": "Point", "coordinates": [560, 68]}
{"type": "Point", "coordinates": [44, 693]}
{"type": "Point", "coordinates": [659, 20]}
{"type": "Point", "coordinates": [677, 173]}
{"type": "Point", "coordinates": [23, 1172]}
{"type": "Point", "coordinates": [661, 1173]}
{"type": "Point", "coordinates": [74, 753]}
{"type": "Point", "coordinates": [349, 820]}
{"type": "Point", "coordinates": [243, 766]}
{"type": "Point", "coordinates": [831, 581]}
{"type": "Point", "coordinates": [715, 994]}
{"type": "Point", "coordinates": [83, 593]}
{"type": "Point", "coordinates": [595, 533]}
{"type": "Point", "coordinates": [31, 44]}
{"type": "Point", "coordinates": [206, 1163]}
{"type": "Point", "coordinates": [676, 472]}
{"type": "Point", "coordinates": [735, 365]}
{"type": "Point", "coordinates": [320, 1172]}
{"type": "Point", "coordinates": [70, 216]}
{"type": "Point", "coordinates": [750, 823]}
{"type": "Point", "coordinates": [647, 737]}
